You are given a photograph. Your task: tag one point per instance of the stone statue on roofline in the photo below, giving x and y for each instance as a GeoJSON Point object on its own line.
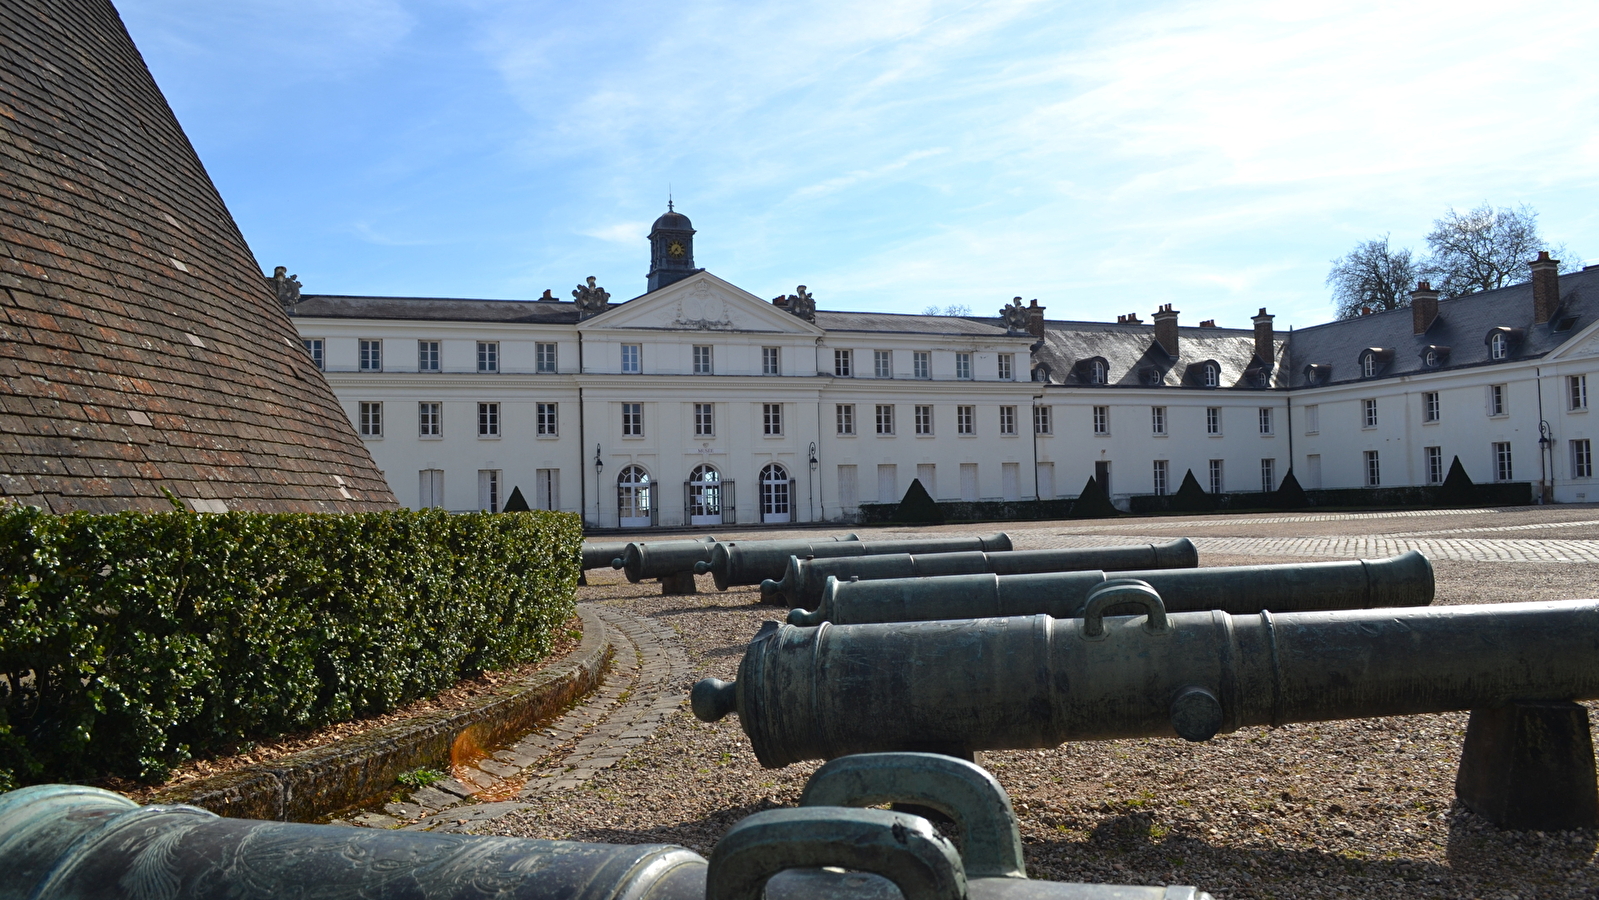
{"type": "Point", "coordinates": [1015, 316]}
{"type": "Point", "coordinates": [802, 304]}
{"type": "Point", "coordinates": [286, 286]}
{"type": "Point", "coordinates": [591, 299]}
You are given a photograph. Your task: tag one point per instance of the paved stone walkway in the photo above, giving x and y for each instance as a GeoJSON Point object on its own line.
{"type": "Point", "coordinates": [644, 686]}
{"type": "Point", "coordinates": [1374, 546]}
{"type": "Point", "coordinates": [1288, 519]}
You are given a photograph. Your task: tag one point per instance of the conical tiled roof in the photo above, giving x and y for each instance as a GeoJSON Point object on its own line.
{"type": "Point", "coordinates": [140, 349]}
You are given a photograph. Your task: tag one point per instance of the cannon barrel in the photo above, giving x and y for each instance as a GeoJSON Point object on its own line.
{"type": "Point", "coordinates": [751, 562]}
{"type": "Point", "coordinates": [1404, 580]}
{"type": "Point", "coordinates": [958, 686]}
{"type": "Point", "coordinates": [600, 555]}
{"type": "Point", "coordinates": [63, 842]}
{"type": "Point", "coordinates": [663, 559]}
{"type": "Point", "coordinates": [804, 579]}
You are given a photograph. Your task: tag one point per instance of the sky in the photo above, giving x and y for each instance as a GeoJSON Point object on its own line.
{"type": "Point", "coordinates": [1104, 158]}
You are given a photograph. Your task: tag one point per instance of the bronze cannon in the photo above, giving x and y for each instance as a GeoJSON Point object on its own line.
{"type": "Point", "coordinates": [664, 559]}
{"type": "Point", "coordinates": [804, 579]}
{"type": "Point", "coordinates": [751, 562]}
{"type": "Point", "coordinates": [598, 555]}
{"type": "Point", "coordinates": [62, 841]}
{"type": "Point", "coordinates": [1404, 580]}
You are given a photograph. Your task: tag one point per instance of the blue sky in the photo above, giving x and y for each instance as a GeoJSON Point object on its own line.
{"type": "Point", "coordinates": [1104, 158]}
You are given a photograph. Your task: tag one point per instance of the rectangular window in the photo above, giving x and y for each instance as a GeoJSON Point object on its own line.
{"type": "Point", "coordinates": [488, 420]}
{"type": "Point", "coordinates": [702, 360]}
{"type": "Point", "coordinates": [1429, 406]}
{"type": "Point", "coordinates": [704, 420]}
{"type": "Point", "coordinates": [1157, 420]}
{"type": "Point", "coordinates": [430, 419]}
{"type": "Point", "coordinates": [1435, 465]}
{"type": "Point", "coordinates": [1581, 459]}
{"type": "Point", "coordinates": [1502, 469]}
{"type": "Point", "coordinates": [885, 421]}
{"type": "Point", "coordinates": [371, 419]}
{"type": "Point", "coordinates": [772, 418]}
{"type": "Point", "coordinates": [1373, 470]}
{"type": "Point", "coordinates": [371, 356]}
{"type": "Point", "coordinates": [1213, 420]}
{"type": "Point", "coordinates": [769, 360]}
{"type": "Point", "coordinates": [488, 490]}
{"type": "Point", "coordinates": [1368, 415]}
{"type": "Point", "coordinates": [963, 366]}
{"type": "Point", "coordinates": [922, 364]}
{"type": "Point", "coordinates": [1265, 420]}
{"type": "Point", "coordinates": [545, 361]}
{"type": "Point", "coordinates": [1576, 388]}
{"type": "Point", "coordinates": [1215, 476]}
{"type": "Point", "coordinates": [846, 418]}
{"type": "Point", "coordinates": [547, 424]}
{"type": "Point", "coordinates": [430, 489]}
{"type": "Point", "coordinates": [488, 356]}
{"type": "Point", "coordinates": [1042, 423]}
{"type": "Point", "coordinates": [1313, 419]}
{"type": "Point", "coordinates": [1102, 420]}
{"type": "Point", "coordinates": [427, 356]}
{"type": "Point", "coordinates": [1007, 367]}
{"type": "Point", "coordinates": [883, 363]}
{"type": "Point", "coordinates": [632, 420]}
{"type": "Point", "coordinates": [1268, 475]}
{"type": "Point", "coordinates": [844, 363]}
{"type": "Point", "coordinates": [313, 348]}
{"type": "Point", "coordinates": [966, 420]}
{"type": "Point", "coordinates": [1007, 420]}
{"type": "Point", "coordinates": [1496, 399]}
{"type": "Point", "coordinates": [632, 359]}
{"type": "Point", "coordinates": [1161, 468]}
{"type": "Point", "coordinates": [924, 420]}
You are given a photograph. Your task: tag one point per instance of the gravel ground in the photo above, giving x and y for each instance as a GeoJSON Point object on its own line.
{"type": "Point", "coordinates": [1361, 808]}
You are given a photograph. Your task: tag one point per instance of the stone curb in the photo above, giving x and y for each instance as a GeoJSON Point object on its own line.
{"type": "Point", "coordinates": [362, 769]}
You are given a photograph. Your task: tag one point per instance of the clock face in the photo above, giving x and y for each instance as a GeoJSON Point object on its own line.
{"type": "Point", "coordinates": [675, 249]}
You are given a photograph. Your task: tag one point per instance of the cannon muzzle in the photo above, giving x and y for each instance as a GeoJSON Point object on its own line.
{"type": "Point", "coordinates": [62, 842]}
{"type": "Point", "coordinates": [1404, 580]}
{"type": "Point", "coordinates": [804, 579]}
{"type": "Point", "coordinates": [661, 559]}
{"type": "Point", "coordinates": [958, 686]}
{"type": "Point", "coordinates": [751, 562]}
{"type": "Point", "coordinates": [602, 555]}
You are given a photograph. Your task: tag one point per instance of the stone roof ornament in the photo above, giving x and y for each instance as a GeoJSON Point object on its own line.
{"type": "Point", "coordinates": [1015, 316]}
{"type": "Point", "coordinates": [286, 286]}
{"type": "Point", "coordinates": [802, 304]}
{"type": "Point", "coordinates": [591, 299]}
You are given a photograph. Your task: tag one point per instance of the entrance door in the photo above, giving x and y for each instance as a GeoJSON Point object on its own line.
{"type": "Point", "coordinates": [887, 483]}
{"type": "Point", "coordinates": [848, 489]}
{"type": "Point", "coordinates": [634, 497]}
{"type": "Point", "coordinates": [548, 490]}
{"type": "Point", "coordinates": [1102, 475]}
{"type": "Point", "coordinates": [927, 474]}
{"type": "Point", "coordinates": [705, 496]}
{"type": "Point", "coordinates": [1010, 480]}
{"type": "Point", "coordinates": [775, 494]}
{"type": "Point", "coordinates": [1046, 481]}
{"type": "Point", "coordinates": [969, 482]}
{"type": "Point", "coordinates": [1313, 472]}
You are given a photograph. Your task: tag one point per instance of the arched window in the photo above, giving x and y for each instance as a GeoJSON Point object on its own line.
{"type": "Point", "coordinates": [1212, 375]}
{"type": "Point", "coordinates": [1431, 359]}
{"type": "Point", "coordinates": [705, 496]}
{"type": "Point", "coordinates": [1368, 365]}
{"type": "Point", "coordinates": [633, 497]}
{"type": "Point", "coordinates": [775, 494]}
{"type": "Point", "coordinates": [1096, 372]}
{"type": "Point", "coordinates": [1497, 346]}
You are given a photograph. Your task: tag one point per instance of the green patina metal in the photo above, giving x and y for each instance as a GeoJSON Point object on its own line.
{"type": "Point", "coordinates": [751, 562]}
{"type": "Point", "coordinates": [1404, 580]}
{"type": "Point", "coordinates": [803, 580]}
{"type": "Point", "coordinates": [639, 560]}
{"type": "Point", "coordinates": [601, 554]}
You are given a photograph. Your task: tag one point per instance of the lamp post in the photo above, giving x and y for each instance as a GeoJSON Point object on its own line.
{"type": "Point", "coordinates": [599, 464]}
{"type": "Point", "coordinates": [1546, 461]}
{"type": "Point", "coordinates": [810, 482]}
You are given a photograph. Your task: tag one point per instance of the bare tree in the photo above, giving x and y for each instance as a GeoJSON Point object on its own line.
{"type": "Point", "coordinates": [954, 309]}
{"type": "Point", "coordinates": [1482, 250]}
{"type": "Point", "coordinates": [1372, 276]}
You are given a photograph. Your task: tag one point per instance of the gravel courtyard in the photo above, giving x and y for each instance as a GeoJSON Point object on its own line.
{"type": "Point", "coordinates": [1359, 808]}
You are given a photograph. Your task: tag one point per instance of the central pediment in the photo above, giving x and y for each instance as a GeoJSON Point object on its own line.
{"type": "Point", "coordinates": [700, 302]}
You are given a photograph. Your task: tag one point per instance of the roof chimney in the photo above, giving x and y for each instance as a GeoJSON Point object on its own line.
{"type": "Point", "coordinates": [1423, 307]}
{"type": "Point", "coordinates": [1265, 346]}
{"type": "Point", "coordinates": [1166, 329]}
{"type": "Point", "coordinates": [1545, 287]}
{"type": "Point", "coordinates": [1035, 319]}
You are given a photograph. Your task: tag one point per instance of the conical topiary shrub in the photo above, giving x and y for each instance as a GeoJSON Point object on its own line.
{"type": "Point", "coordinates": [1457, 489]}
{"type": "Point", "coordinates": [1093, 503]}
{"type": "Point", "coordinates": [1190, 497]}
{"type": "Point", "coordinates": [516, 502]}
{"type": "Point", "coordinates": [1289, 495]}
{"type": "Point", "coordinates": [917, 507]}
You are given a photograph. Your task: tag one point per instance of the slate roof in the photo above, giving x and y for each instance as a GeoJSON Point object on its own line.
{"type": "Point", "coordinates": [1132, 355]}
{"type": "Point", "coordinates": [437, 309]}
{"type": "Point", "coordinates": [139, 346]}
{"type": "Point", "coordinates": [1462, 326]}
{"type": "Point", "coordinates": [898, 323]}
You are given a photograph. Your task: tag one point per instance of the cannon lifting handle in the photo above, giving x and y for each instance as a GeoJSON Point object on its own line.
{"type": "Point", "coordinates": [1117, 592]}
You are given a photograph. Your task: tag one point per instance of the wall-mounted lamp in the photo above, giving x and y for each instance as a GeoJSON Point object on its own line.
{"type": "Point", "coordinates": [814, 463]}
{"type": "Point", "coordinates": [598, 463]}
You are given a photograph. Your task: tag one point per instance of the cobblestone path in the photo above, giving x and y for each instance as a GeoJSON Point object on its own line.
{"type": "Point", "coordinates": [1374, 546]}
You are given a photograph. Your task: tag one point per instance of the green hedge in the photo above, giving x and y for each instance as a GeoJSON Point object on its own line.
{"type": "Point", "coordinates": [131, 642]}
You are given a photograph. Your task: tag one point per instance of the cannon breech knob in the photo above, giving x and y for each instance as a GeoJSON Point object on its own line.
{"type": "Point", "coordinates": [712, 699]}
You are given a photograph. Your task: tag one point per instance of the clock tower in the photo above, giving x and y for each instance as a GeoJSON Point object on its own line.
{"type": "Point", "coordinates": [671, 249]}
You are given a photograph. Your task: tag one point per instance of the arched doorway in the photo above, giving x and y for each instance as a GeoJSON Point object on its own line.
{"type": "Point", "coordinates": [705, 496]}
{"type": "Point", "coordinates": [776, 491]}
{"type": "Point", "coordinates": [634, 501]}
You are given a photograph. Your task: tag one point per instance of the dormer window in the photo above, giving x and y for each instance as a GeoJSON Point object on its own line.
{"type": "Point", "coordinates": [1498, 347]}
{"type": "Point", "coordinates": [1368, 366]}
{"type": "Point", "coordinates": [1430, 359]}
{"type": "Point", "coordinates": [1373, 360]}
{"type": "Point", "coordinates": [1151, 376]}
{"type": "Point", "coordinates": [1212, 375]}
{"type": "Point", "coordinates": [1096, 372]}
{"type": "Point", "coordinates": [1318, 373]}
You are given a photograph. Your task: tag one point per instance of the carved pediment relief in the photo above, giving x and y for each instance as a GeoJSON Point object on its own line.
{"type": "Point", "coordinates": [701, 302]}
